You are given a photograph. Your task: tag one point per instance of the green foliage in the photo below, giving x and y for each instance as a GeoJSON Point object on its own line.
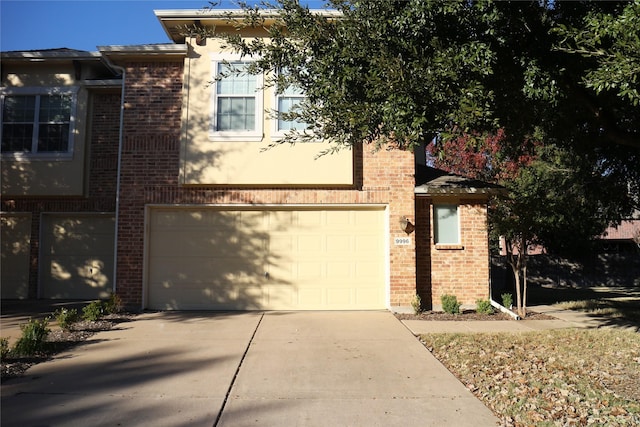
{"type": "Point", "coordinates": [611, 41]}
{"type": "Point", "coordinates": [383, 68]}
{"type": "Point", "coordinates": [450, 304]}
{"type": "Point", "coordinates": [33, 339]}
{"type": "Point", "coordinates": [66, 317]}
{"type": "Point", "coordinates": [113, 305]}
{"type": "Point", "coordinates": [483, 306]}
{"type": "Point", "coordinates": [97, 309]}
{"type": "Point", "coordinates": [93, 311]}
{"type": "Point", "coordinates": [507, 300]}
{"type": "Point", "coordinates": [4, 348]}
{"type": "Point", "coordinates": [414, 69]}
{"type": "Point", "coordinates": [416, 304]}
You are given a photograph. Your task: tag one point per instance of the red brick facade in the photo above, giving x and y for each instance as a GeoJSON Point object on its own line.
{"type": "Point", "coordinates": [460, 270]}
{"type": "Point", "coordinates": [150, 174]}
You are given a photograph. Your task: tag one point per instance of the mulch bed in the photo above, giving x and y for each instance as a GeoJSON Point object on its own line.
{"type": "Point", "coordinates": [467, 315]}
{"type": "Point", "coordinates": [57, 341]}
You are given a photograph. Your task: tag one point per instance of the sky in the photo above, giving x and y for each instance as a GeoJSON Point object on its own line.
{"type": "Point", "coordinates": [86, 24]}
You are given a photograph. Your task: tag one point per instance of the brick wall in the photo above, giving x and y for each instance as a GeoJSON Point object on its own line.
{"type": "Point", "coordinates": [100, 185]}
{"type": "Point", "coordinates": [150, 173]}
{"type": "Point", "coordinates": [460, 270]}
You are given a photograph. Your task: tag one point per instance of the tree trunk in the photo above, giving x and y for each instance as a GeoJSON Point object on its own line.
{"type": "Point", "coordinates": [518, 263]}
{"type": "Point", "coordinates": [524, 284]}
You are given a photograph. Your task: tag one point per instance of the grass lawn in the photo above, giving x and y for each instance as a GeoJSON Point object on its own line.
{"type": "Point", "coordinates": [569, 377]}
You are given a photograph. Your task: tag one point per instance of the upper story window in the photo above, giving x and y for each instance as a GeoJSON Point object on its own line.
{"type": "Point", "coordinates": [237, 102]}
{"type": "Point", "coordinates": [37, 123]}
{"type": "Point", "coordinates": [287, 101]}
{"type": "Point", "coordinates": [446, 224]}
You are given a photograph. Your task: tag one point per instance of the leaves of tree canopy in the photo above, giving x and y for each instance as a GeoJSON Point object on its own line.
{"type": "Point", "coordinates": [410, 69]}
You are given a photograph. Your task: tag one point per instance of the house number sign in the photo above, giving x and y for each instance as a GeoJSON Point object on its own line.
{"type": "Point", "coordinates": [402, 241]}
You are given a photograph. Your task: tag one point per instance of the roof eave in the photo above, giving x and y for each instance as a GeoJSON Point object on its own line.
{"type": "Point", "coordinates": [40, 56]}
{"type": "Point", "coordinates": [172, 18]}
{"type": "Point", "coordinates": [165, 50]}
{"type": "Point", "coordinates": [425, 190]}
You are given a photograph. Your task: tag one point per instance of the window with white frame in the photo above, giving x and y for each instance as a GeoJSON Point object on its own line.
{"type": "Point", "coordinates": [287, 101]}
{"type": "Point", "coordinates": [37, 124]}
{"type": "Point", "coordinates": [446, 224]}
{"type": "Point", "coordinates": [237, 101]}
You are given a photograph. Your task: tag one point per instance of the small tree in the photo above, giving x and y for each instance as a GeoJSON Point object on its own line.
{"type": "Point", "coordinates": [555, 196]}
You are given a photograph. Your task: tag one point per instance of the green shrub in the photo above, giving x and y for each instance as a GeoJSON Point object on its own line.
{"type": "Point", "coordinates": [113, 305]}
{"type": "Point", "coordinates": [4, 348]}
{"type": "Point", "coordinates": [484, 306]}
{"type": "Point", "coordinates": [507, 300]}
{"type": "Point", "coordinates": [93, 311]}
{"type": "Point", "coordinates": [416, 303]}
{"type": "Point", "coordinates": [450, 304]}
{"type": "Point", "coordinates": [66, 317]}
{"type": "Point", "coordinates": [33, 339]}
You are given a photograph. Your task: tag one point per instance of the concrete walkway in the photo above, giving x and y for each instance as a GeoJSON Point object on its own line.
{"type": "Point", "coordinates": [272, 369]}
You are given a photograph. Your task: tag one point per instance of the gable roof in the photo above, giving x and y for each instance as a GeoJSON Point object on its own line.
{"type": "Point", "coordinates": [431, 181]}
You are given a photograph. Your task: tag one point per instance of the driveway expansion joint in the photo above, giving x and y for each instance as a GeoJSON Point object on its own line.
{"type": "Point", "coordinates": [235, 375]}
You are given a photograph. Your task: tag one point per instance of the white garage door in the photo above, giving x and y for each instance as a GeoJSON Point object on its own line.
{"type": "Point", "coordinates": [16, 243]}
{"type": "Point", "coordinates": [76, 259]}
{"type": "Point", "coordinates": [274, 259]}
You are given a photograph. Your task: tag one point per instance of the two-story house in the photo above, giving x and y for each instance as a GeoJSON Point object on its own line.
{"type": "Point", "coordinates": [133, 170]}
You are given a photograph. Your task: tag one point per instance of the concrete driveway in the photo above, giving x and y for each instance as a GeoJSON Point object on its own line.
{"type": "Point", "coordinates": [258, 369]}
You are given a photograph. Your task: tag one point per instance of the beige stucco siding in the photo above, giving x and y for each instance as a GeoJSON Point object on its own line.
{"type": "Point", "coordinates": [47, 175]}
{"type": "Point", "coordinates": [210, 159]}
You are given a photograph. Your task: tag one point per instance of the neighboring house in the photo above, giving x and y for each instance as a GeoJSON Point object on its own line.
{"type": "Point", "coordinates": [168, 197]}
{"type": "Point", "coordinates": [625, 237]}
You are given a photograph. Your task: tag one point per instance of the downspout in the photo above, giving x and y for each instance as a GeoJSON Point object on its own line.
{"type": "Point", "coordinates": [123, 74]}
{"type": "Point", "coordinates": [504, 309]}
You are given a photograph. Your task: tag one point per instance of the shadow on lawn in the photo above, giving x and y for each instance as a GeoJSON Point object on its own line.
{"type": "Point", "coordinates": [610, 305]}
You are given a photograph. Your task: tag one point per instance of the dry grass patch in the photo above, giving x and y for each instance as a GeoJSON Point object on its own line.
{"type": "Point", "coordinates": [550, 378]}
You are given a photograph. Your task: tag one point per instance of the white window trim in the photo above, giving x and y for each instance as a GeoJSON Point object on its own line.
{"type": "Point", "coordinates": [62, 90]}
{"type": "Point", "coordinates": [255, 135]}
{"type": "Point", "coordinates": [435, 224]}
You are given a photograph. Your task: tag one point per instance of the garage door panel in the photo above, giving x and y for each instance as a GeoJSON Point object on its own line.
{"type": "Point", "coordinates": [340, 297]}
{"type": "Point", "coordinates": [340, 270]}
{"type": "Point", "coordinates": [364, 294]}
{"type": "Point", "coordinates": [340, 218]}
{"type": "Point", "coordinates": [308, 219]}
{"type": "Point", "coordinates": [368, 244]}
{"type": "Point", "coordinates": [367, 270]}
{"type": "Point", "coordinates": [195, 296]}
{"type": "Point", "coordinates": [276, 258]}
{"type": "Point", "coordinates": [76, 260]}
{"type": "Point", "coordinates": [225, 270]}
{"type": "Point", "coordinates": [15, 241]}
{"type": "Point", "coordinates": [339, 244]}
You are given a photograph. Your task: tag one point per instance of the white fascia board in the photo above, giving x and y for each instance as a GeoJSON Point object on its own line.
{"type": "Point", "coordinates": [185, 14]}
{"type": "Point", "coordinates": [52, 55]}
{"type": "Point", "coordinates": [149, 49]}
